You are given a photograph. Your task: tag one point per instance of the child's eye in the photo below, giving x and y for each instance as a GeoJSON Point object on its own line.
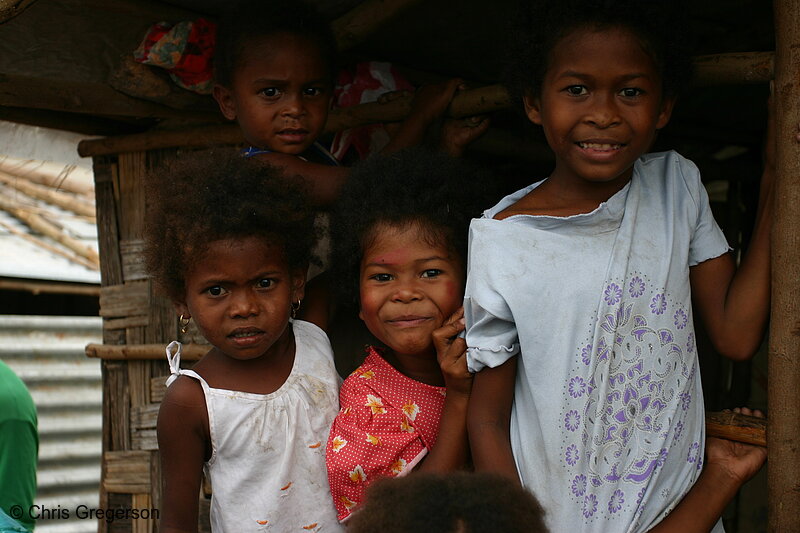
{"type": "Point", "coordinates": [381, 277]}
{"type": "Point", "coordinates": [576, 90]}
{"type": "Point", "coordinates": [431, 273]}
{"type": "Point", "coordinates": [265, 283]}
{"type": "Point", "coordinates": [270, 92]}
{"type": "Point", "coordinates": [631, 92]}
{"type": "Point", "coordinates": [312, 91]}
{"type": "Point", "coordinates": [216, 290]}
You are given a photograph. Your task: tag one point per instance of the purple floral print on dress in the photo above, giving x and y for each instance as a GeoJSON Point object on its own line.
{"type": "Point", "coordinates": [678, 432]}
{"type": "Point", "coordinates": [640, 496]}
{"type": "Point", "coordinates": [686, 400]}
{"type": "Point", "coordinates": [613, 294]}
{"type": "Point", "coordinates": [616, 501]}
{"type": "Point", "coordinates": [636, 287]}
{"type": "Point", "coordinates": [589, 505]}
{"type": "Point", "coordinates": [681, 319]}
{"type": "Point", "coordinates": [577, 387]}
{"type": "Point", "coordinates": [572, 455]}
{"type": "Point", "coordinates": [690, 343]}
{"type": "Point", "coordinates": [579, 485]}
{"type": "Point", "coordinates": [658, 304]}
{"type": "Point", "coordinates": [571, 420]}
{"type": "Point", "coordinates": [694, 453]}
{"type": "Point", "coordinates": [586, 354]}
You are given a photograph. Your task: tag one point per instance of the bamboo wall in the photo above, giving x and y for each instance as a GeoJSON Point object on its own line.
{"type": "Point", "coordinates": [132, 315]}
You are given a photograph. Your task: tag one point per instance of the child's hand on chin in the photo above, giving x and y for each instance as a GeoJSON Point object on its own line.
{"type": "Point", "coordinates": [737, 460]}
{"type": "Point", "coordinates": [451, 351]}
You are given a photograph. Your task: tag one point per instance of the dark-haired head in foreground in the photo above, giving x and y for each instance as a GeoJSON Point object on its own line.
{"type": "Point", "coordinates": [448, 503]}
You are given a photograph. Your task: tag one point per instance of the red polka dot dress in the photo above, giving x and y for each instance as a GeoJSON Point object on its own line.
{"type": "Point", "coordinates": [387, 423]}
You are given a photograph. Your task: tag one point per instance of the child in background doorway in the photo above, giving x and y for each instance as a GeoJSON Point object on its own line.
{"type": "Point", "coordinates": [579, 302]}
{"type": "Point", "coordinates": [399, 242]}
{"type": "Point", "coordinates": [274, 70]}
{"type": "Point", "coordinates": [229, 241]}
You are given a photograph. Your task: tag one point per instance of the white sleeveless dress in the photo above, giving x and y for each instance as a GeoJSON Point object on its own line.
{"type": "Point", "coordinates": [267, 465]}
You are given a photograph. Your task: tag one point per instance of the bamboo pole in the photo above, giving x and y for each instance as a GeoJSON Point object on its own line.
{"type": "Point", "coordinates": [47, 246]}
{"type": "Point", "coordinates": [134, 352]}
{"type": "Point", "coordinates": [784, 339]}
{"type": "Point", "coordinates": [751, 67]}
{"type": "Point", "coordinates": [738, 427]}
{"type": "Point", "coordinates": [43, 226]}
{"type": "Point", "coordinates": [66, 177]}
{"type": "Point", "coordinates": [356, 25]}
{"type": "Point", "coordinates": [77, 204]}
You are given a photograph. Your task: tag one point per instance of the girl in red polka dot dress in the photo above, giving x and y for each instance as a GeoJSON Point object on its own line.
{"type": "Point", "coordinates": [401, 235]}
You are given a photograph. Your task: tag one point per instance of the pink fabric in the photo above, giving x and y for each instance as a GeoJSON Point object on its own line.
{"type": "Point", "coordinates": [387, 423]}
{"type": "Point", "coordinates": [366, 83]}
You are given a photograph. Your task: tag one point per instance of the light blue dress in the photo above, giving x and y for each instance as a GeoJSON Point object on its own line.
{"type": "Point", "coordinates": [607, 425]}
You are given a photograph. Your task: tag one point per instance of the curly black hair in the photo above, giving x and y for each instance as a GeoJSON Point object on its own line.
{"type": "Point", "coordinates": [204, 197]}
{"type": "Point", "coordinates": [249, 20]}
{"type": "Point", "coordinates": [660, 26]}
{"type": "Point", "coordinates": [447, 503]}
{"type": "Point", "coordinates": [438, 194]}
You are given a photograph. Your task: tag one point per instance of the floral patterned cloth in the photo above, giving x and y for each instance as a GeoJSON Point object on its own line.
{"type": "Point", "coordinates": [387, 423]}
{"type": "Point", "coordinates": [607, 426]}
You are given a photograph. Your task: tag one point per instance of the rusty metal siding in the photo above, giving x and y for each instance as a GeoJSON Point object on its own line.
{"type": "Point", "coordinates": [47, 352]}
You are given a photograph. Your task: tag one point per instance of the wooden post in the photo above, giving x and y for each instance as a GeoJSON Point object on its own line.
{"type": "Point", "coordinates": [784, 348]}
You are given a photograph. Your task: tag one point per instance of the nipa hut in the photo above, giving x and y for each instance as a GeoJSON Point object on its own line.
{"type": "Point", "coordinates": [68, 64]}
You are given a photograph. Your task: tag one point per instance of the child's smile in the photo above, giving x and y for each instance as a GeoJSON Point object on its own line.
{"type": "Point", "coordinates": [280, 93]}
{"type": "Point", "coordinates": [599, 116]}
{"type": "Point", "coordinates": [408, 288]}
{"type": "Point", "coordinates": [240, 294]}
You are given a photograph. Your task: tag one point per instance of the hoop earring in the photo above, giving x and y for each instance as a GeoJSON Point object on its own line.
{"type": "Point", "coordinates": [184, 321]}
{"type": "Point", "coordinates": [295, 308]}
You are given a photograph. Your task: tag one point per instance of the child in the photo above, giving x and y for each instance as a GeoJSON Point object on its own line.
{"type": "Point", "coordinates": [400, 239]}
{"type": "Point", "coordinates": [458, 502]}
{"type": "Point", "coordinates": [578, 302]}
{"type": "Point", "coordinates": [274, 70]}
{"type": "Point", "coordinates": [229, 241]}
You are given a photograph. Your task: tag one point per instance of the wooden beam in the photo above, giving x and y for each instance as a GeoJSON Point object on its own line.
{"type": "Point", "coordinates": [784, 335]}
{"type": "Point", "coordinates": [733, 426]}
{"type": "Point", "coordinates": [49, 287]}
{"type": "Point", "coordinates": [138, 352]}
{"type": "Point", "coordinates": [721, 69]}
{"type": "Point", "coordinates": [91, 98]}
{"type": "Point", "coordinates": [361, 22]}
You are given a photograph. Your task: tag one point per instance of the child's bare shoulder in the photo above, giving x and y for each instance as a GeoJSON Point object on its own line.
{"type": "Point", "coordinates": [184, 393]}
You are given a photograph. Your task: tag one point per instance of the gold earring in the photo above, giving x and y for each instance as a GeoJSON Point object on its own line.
{"type": "Point", "coordinates": [295, 308]}
{"type": "Point", "coordinates": [184, 321]}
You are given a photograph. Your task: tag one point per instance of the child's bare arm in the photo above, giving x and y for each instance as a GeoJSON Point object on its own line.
{"type": "Point", "coordinates": [489, 419]}
{"type": "Point", "coordinates": [324, 181]}
{"type": "Point", "coordinates": [452, 448]}
{"type": "Point", "coordinates": [430, 103]}
{"type": "Point", "coordinates": [729, 465]}
{"type": "Point", "coordinates": [734, 303]}
{"type": "Point", "coordinates": [182, 443]}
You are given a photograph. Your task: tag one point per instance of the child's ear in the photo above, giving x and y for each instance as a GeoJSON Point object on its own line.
{"type": "Point", "coordinates": [182, 309]}
{"type": "Point", "coordinates": [532, 108]}
{"type": "Point", "coordinates": [225, 101]}
{"type": "Point", "coordinates": [667, 105]}
{"type": "Point", "coordinates": [299, 283]}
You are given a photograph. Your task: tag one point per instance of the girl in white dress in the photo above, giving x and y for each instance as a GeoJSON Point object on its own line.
{"type": "Point", "coordinates": [228, 241]}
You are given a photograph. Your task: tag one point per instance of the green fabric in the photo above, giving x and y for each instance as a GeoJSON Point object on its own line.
{"type": "Point", "coordinates": [19, 446]}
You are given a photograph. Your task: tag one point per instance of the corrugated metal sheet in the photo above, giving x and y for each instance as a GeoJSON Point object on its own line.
{"type": "Point", "coordinates": [48, 354]}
